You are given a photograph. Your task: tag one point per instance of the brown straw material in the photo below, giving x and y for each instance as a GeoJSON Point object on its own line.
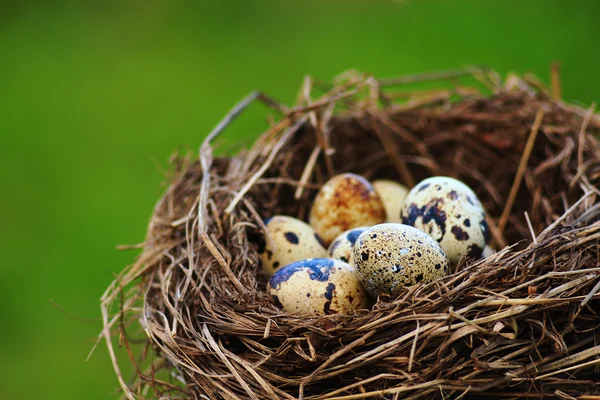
{"type": "Point", "coordinates": [195, 322]}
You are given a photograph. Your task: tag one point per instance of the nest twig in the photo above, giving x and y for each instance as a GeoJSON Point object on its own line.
{"type": "Point", "coordinates": [521, 323]}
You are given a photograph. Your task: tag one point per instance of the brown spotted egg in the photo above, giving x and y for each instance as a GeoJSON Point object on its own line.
{"type": "Point", "coordinates": [392, 195]}
{"type": "Point", "coordinates": [288, 240]}
{"type": "Point", "coordinates": [342, 248]}
{"type": "Point", "coordinates": [344, 202]}
{"type": "Point", "coordinates": [390, 256]}
{"type": "Point", "coordinates": [317, 286]}
{"type": "Point", "coordinates": [450, 212]}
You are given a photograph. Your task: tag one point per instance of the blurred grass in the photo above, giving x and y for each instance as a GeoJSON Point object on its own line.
{"type": "Point", "coordinates": [94, 94]}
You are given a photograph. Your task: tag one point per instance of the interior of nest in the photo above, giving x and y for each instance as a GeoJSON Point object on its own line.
{"type": "Point", "coordinates": [481, 142]}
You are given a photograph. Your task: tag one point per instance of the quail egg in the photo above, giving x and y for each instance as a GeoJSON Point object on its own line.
{"type": "Point", "coordinates": [450, 212]}
{"type": "Point", "coordinates": [287, 240]}
{"type": "Point", "coordinates": [317, 286]}
{"type": "Point", "coordinates": [390, 256]}
{"type": "Point", "coordinates": [392, 195]}
{"type": "Point", "coordinates": [342, 248]}
{"type": "Point", "coordinates": [346, 201]}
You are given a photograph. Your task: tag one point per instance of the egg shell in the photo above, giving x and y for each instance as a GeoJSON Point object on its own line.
{"type": "Point", "coordinates": [342, 248]}
{"type": "Point", "coordinates": [288, 240]}
{"type": "Point", "coordinates": [451, 213]}
{"type": "Point", "coordinates": [392, 194]}
{"type": "Point", "coordinates": [344, 202]}
{"type": "Point", "coordinates": [390, 256]}
{"type": "Point", "coordinates": [317, 286]}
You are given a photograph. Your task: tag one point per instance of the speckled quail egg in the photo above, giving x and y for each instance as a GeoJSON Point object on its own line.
{"type": "Point", "coordinates": [317, 286]}
{"type": "Point", "coordinates": [450, 212]}
{"type": "Point", "coordinates": [390, 256]}
{"type": "Point", "coordinates": [288, 240]}
{"type": "Point", "coordinates": [344, 202]}
{"type": "Point", "coordinates": [392, 194]}
{"type": "Point", "coordinates": [342, 248]}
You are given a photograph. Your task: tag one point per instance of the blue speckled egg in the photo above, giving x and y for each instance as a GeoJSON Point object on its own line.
{"type": "Point", "coordinates": [342, 248]}
{"type": "Point", "coordinates": [317, 286]}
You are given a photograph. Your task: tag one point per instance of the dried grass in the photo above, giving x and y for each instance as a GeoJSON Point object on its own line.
{"type": "Point", "coordinates": [522, 323]}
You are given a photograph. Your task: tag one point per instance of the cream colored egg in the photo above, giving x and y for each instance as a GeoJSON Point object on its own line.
{"type": "Point", "coordinates": [392, 195]}
{"type": "Point", "coordinates": [342, 248]}
{"type": "Point", "coordinates": [317, 286]}
{"type": "Point", "coordinates": [288, 240]}
{"type": "Point", "coordinates": [390, 256]}
{"type": "Point", "coordinates": [346, 201]}
{"type": "Point", "coordinates": [450, 212]}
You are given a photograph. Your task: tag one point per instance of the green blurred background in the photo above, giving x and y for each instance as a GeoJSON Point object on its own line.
{"type": "Point", "coordinates": [94, 96]}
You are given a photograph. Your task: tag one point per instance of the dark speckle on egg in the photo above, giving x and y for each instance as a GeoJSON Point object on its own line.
{"type": "Point", "coordinates": [467, 222]}
{"type": "Point", "coordinates": [452, 195]}
{"type": "Point", "coordinates": [432, 211]}
{"type": "Point", "coordinates": [329, 296]}
{"type": "Point", "coordinates": [475, 251]}
{"type": "Point", "coordinates": [277, 302]}
{"type": "Point", "coordinates": [484, 229]}
{"type": "Point", "coordinates": [364, 255]}
{"type": "Point", "coordinates": [329, 291]}
{"type": "Point", "coordinates": [423, 187]}
{"type": "Point", "coordinates": [292, 237]}
{"type": "Point", "coordinates": [354, 234]}
{"type": "Point", "coordinates": [459, 234]}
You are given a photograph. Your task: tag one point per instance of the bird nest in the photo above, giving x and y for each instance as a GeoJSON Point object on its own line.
{"type": "Point", "coordinates": [521, 323]}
